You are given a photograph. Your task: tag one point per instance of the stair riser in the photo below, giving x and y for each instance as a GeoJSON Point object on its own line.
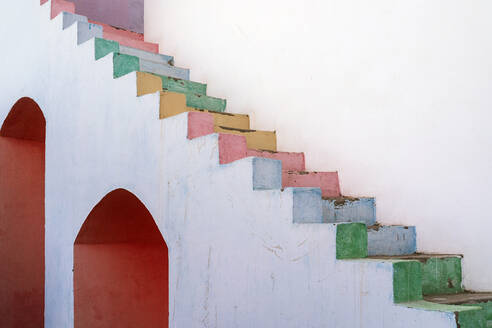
{"type": "Point", "coordinates": [442, 276]}
{"type": "Point", "coordinates": [69, 19]}
{"type": "Point", "coordinates": [183, 86]}
{"type": "Point", "coordinates": [120, 32]}
{"type": "Point", "coordinates": [327, 181]}
{"type": "Point", "coordinates": [307, 205]}
{"type": "Point", "coordinates": [105, 47]}
{"type": "Point", "coordinates": [407, 281]}
{"type": "Point", "coordinates": [58, 6]}
{"type": "Point", "coordinates": [234, 147]}
{"type": "Point", "coordinates": [257, 140]}
{"type": "Point", "coordinates": [351, 241]}
{"type": "Point", "coordinates": [150, 83]}
{"type": "Point", "coordinates": [267, 174]}
{"type": "Point", "coordinates": [87, 31]}
{"type": "Point", "coordinates": [392, 240]}
{"type": "Point", "coordinates": [361, 210]}
{"type": "Point", "coordinates": [124, 64]}
{"type": "Point", "coordinates": [164, 69]}
{"type": "Point", "coordinates": [157, 58]}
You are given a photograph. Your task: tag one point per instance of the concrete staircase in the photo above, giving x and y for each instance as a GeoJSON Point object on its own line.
{"type": "Point", "coordinates": [427, 282]}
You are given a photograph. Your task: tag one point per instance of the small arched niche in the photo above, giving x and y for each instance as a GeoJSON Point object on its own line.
{"type": "Point", "coordinates": [22, 166]}
{"type": "Point", "coordinates": [120, 267]}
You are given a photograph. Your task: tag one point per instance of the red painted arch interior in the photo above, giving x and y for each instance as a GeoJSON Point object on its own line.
{"type": "Point", "coordinates": [120, 267]}
{"type": "Point", "coordinates": [22, 160]}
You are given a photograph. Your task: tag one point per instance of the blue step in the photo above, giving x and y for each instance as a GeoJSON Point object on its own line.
{"type": "Point", "coordinates": [349, 209]}
{"type": "Point", "coordinates": [391, 240]}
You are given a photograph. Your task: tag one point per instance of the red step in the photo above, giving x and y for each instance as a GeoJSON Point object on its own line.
{"type": "Point", "coordinates": [234, 147]}
{"type": "Point", "coordinates": [57, 6]}
{"type": "Point", "coordinates": [127, 38]}
{"type": "Point", "coordinates": [327, 181]}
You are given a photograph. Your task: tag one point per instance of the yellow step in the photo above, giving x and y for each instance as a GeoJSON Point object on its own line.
{"type": "Point", "coordinates": [260, 140]}
{"type": "Point", "coordinates": [148, 83]}
{"type": "Point", "coordinates": [173, 103]}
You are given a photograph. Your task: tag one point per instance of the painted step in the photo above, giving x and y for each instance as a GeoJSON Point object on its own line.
{"type": "Point", "coordinates": [85, 30]}
{"type": "Point", "coordinates": [327, 181]}
{"type": "Point", "coordinates": [151, 83]}
{"type": "Point", "coordinates": [349, 209]}
{"type": "Point", "coordinates": [104, 47]}
{"type": "Point", "coordinates": [58, 6]}
{"type": "Point", "coordinates": [124, 64]}
{"type": "Point", "coordinates": [120, 31]}
{"type": "Point", "coordinates": [173, 103]}
{"type": "Point", "coordinates": [69, 19]}
{"type": "Point", "coordinates": [441, 274]}
{"type": "Point", "coordinates": [203, 123]}
{"type": "Point", "coordinates": [127, 38]}
{"type": "Point", "coordinates": [235, 147]}
{"type": "Point", "coordinates": [391, 240]}
{"type": "Point", "coordinates": [483, 300]}
{"type": "Point", "coordinates": [259, 140]}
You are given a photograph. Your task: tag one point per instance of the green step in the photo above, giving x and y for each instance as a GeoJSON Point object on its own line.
{"type": "Point", "coordinates": [183, 86]}
{"type": "Point", "coordinates": [482, 300]}
{"type": "Point", "coordinates": [441, 274]}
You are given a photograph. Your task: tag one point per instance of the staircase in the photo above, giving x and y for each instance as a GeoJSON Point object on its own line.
{"type": "Point", "coordinates": [425, 282]}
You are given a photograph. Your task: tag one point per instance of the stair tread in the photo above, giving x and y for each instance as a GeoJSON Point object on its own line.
{"type": "Point", "coordinates": [238, 130]}
{"type": "Point", "coordinates": [460, 298]}
{"type": "Point", "coordinates": [343, 199]}
{"type": "Point", "coordinates": [417, 256]}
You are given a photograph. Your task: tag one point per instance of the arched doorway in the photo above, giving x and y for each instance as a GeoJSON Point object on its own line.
{"type": "Point", "coordinates": [120, 267]}
{"type": "Point", "coordinates": [22, 148]}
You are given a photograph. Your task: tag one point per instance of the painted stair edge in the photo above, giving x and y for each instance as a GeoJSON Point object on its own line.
{"type": "Point", "coordinates": [203, 123]}
{"type": "Point", "coordinates": [127, 38]}
{"type": "Point", "coordinates": [327, 181]}
{"type": "Point", "coordinates": [441, 273]}
{"type": "Point", "coordinates": [105, 47]}
{"type": "Point", "coordinates": [392, 240]}
{"type": "Point", "coordinates": [148, 83]}
{"type": "Point", "coordinates": [349, 209]}
{"type": "Point", "coordinates": [125, 64]}
{"type": "Point", "coordinates": [234, 147]}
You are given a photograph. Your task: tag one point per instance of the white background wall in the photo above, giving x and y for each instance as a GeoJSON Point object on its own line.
{"type": "Point", "coordinates": [395, 95]}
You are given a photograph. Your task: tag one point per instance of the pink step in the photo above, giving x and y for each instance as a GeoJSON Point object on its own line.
{"type": "Point", "coordinates": [200, 124]}
{"type": "Point", "coordinates": [127, 38]}
{"type": "Point", "coordinates": [123, 33]}
{"type": "Point", "coordinates": [57, 6]}
{"type": "Point", "coordinates": [233, 147]}
{"type": "Point", "coordinates": [327, 181]}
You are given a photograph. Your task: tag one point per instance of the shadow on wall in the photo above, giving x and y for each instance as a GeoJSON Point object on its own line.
{"type": "Point", "coordinates": [22, 149]}
{"type": "Point", "coordinates": [120, 267]}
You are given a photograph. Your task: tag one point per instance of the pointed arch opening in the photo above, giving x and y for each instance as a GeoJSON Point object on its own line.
{"type": "Point", "coordinates": [22, 167]}
{"type": "Point", "coordinates": [120, 267]}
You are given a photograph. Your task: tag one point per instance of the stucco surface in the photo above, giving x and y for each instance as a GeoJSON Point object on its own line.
{"type": "Point", "coordinates": [236, 258]}
{"type": "Point", "coordinates": [394, 95]}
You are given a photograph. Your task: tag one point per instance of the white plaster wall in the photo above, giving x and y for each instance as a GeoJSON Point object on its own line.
{"type": "Point", "coordinates": [236, 259]}
{"type": "Point", "coordinates": [395, 95]}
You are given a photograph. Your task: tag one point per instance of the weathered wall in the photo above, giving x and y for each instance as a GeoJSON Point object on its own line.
{"type": "Point", "coordinates": [236, 259]}
{"type": "Point", "coordinates": [393, 94]}
{"type": "Point", "coordinates": [127, 14]}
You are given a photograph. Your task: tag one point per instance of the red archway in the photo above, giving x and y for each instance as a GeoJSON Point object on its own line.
{"type": "Point", "coordinates": [120, 267]}
{"type": "Point", "coordinates": [22, 150]}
